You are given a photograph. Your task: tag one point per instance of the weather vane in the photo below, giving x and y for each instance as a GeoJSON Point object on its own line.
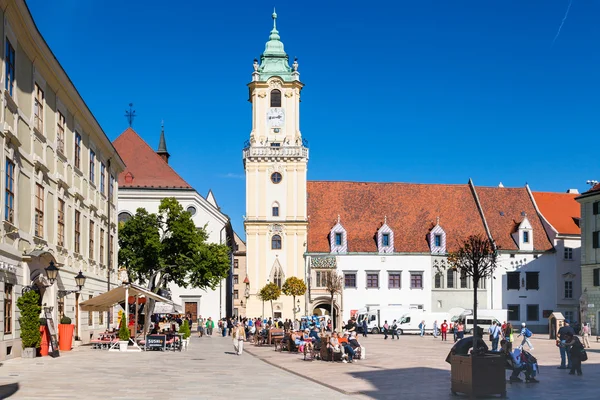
{"type": "Point", "coordinates": [130, 114]}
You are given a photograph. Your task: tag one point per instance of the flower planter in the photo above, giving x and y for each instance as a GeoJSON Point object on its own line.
{"type": "Point", "coordinates": [123, 345]}
{"type": "Point", "coordinates": [44, 344]}
{"type": "Point", "coordinates": [28, 352]}
{"type": "Point", "coordinates": [65, 336]}
{"type": "Point", "coordinates": [478, 376]}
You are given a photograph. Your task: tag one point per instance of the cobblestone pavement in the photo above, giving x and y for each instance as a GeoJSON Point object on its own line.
{"type": "Point", "coordinates": [208, 370]}
{"type": "Point", "coordinates": [414, 368]}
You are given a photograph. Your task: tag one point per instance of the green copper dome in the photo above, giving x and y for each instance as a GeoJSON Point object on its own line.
{"type": "Point", "coordinates": [274, 61]}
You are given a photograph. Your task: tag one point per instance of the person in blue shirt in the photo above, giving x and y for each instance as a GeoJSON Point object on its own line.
{"type": "Point", "coordinates": [494, 332]}
{"type": "Point", "coordinates": [526, 333]}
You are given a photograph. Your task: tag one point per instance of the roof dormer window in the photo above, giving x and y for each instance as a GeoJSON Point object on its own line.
{"type": "Point", "coordinates": [338, 238]}
{"type": "Point", "coordinates": [385, 238]}
{"type": "Point", "coordinates": [437, 239]}
{"type": "Point", "coordinates": [523, 236]}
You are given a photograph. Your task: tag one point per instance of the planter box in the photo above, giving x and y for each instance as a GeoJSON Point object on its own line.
{"type": "Point", "coordinates": [478, 376]}
{"type": "Point", "coordinates": [65, 336]}
{"type": "Point", "coordinates": [29, 352]}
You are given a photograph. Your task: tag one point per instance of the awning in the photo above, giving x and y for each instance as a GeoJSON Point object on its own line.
{"type": "Point", "coordinates": [166, 308]}
{"type": "Point", "coordinates": [117, 295]}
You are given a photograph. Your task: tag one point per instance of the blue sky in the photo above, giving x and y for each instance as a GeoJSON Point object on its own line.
{"type": "Point", "coordinates": [408, 91]}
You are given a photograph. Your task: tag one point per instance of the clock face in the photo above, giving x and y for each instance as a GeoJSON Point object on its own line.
{"type": "Point", "coordinates": [275, 117]}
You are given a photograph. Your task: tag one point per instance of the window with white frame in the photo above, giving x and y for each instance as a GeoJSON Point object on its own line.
{"type": "Point", "coordinates": [416, 280]}
{"type": "Point", "coordinates": [39, 210]}
{"type": "Point", "coordinates": [60, 132]}
{"type": "Point", "coordinates": [568, 253]}
{"type": "Point", "coordinates": [394, 279]}
{"type": "Point", "coordinates": [385, 239]}
{"type": "Point", "coordinates": [102, 178]}
{"type": "Point", "coordinates": [350, 279]}
{"type": "Point", "coordinates": [372, 280]}
{"type": "Point", "coordinates": [92, 167]}
{"type": "Point", "coordinates": [9, 74]}
{"type": "Point", "coordinates": [568, 289]}
{"type": "Point", "coordinates": [338, 239]}
{"type": "Point", "coordinates": [437, 240]}
{"type": "Point", "coordinates": [9, 194]}
{"type": "Point", "coordinates": [38, 109]}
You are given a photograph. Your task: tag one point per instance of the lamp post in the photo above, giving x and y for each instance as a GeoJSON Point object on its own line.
{"type": "Point", "coordinates": [79, 281]}
{"type": "Point", "coordinates": [51, 274]}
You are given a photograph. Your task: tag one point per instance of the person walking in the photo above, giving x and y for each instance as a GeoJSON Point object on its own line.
{"type": "Point", "coordinates": [422, 328]}
{"type": "Point", "coordinates": [585, 334]}
{"type": "Point", "coordinates": [200, 326]}
{"type": "Point", "coordinates": [508, 336]}
{"type": "Point", "coordinates": [395, 330]}
{"type": "Point", "coordinates": [364, 327]}
{"type": "Point", "coordinates": [385, 329]}
{"type": "Point", "coordinates": [565, 352]}
{"type": "Point", "coordinates": [435, 329]}
{"type": "Point", "coordinates": [576, 349]}
{"type": "Point", "coordinates": [210, 325]}
{"type": "Point", "coordinates": [460, 330]}
{"type": "Point", "coordinates": [224, 327]}
{"type": "Point", "coordinates": [494, 332]}
{"type": "Point", "coordinates": [526, 333]}
{"type": "Point", "coordinates": [444, 331]}
{"type": "Point", "coordinates": [238, 335]}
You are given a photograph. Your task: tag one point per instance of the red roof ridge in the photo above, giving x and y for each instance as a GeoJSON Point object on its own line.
{"type": "Point", "coordinates": [388, 183]}
{"type": "Point", "coordinates": [164, 181]}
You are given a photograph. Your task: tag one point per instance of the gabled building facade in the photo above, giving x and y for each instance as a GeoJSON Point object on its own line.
{"type": "Point", "coordinates": [58, 185]}
{"type": "Point", "coordinates": [590, 258]}
{"type": "Point", "coordinates": [147, 180]}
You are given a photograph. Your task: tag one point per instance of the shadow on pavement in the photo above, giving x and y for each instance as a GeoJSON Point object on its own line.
{"type": "Point", "coordinates": [8, 390]}
{"type": "Point", "coordinates": [431, 383]}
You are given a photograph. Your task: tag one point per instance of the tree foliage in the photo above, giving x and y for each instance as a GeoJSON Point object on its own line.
{"type": "Point", "coordinates": [124, 333]}
{"type": "Point", "coordinates": [269, 292]}
{"type": "Point", "coordinates": [29, 320]}
{"type": "Point", "coordinates": [170, 244]}
{"type": "Point", "coordinates": [294, 286]}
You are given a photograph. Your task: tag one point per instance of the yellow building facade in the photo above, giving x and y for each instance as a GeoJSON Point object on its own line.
{"type": "Point", "coordinates": [275, 162]}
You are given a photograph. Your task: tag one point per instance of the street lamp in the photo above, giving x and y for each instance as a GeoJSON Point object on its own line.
{"type": "Point", "coordinates": [51, 274]}
{"type": "Point", "coordinates": [79, 281]}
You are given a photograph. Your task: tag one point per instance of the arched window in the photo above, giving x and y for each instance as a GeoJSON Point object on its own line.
{"type": "Point", "coordinates": [275, 98]}
{"type": "Point", "coordinates": [275, 209]}
{"type": "Point", "coordinates": [124, 217]}
{"type": "Point", "coordinates": [276, 242]}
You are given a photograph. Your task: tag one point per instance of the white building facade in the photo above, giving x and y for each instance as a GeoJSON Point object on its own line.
{"type": "Point", "coordinates": [147, 180]}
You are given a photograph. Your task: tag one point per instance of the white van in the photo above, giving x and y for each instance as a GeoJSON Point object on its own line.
{"type": "Point", "coordinates": [376, 317]}
{"type": "Point", "coordinates": [410, 321]}
{"type": "Point", "coordinates": [483, 322]}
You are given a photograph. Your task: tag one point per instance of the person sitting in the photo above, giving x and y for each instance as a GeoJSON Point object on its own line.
{"type": "Point", "coordinates": [316, 339]}
{"type": "Point", "coordinates": [348, 350]}
{"type": "Point", "coordinates": [353, 342]}
{"type": "Point", "coordinates": [520, 361]}
{"type": "Point", "coordinates": [307, 340]}
{"type": "Point", "coordinates": [334, 345]}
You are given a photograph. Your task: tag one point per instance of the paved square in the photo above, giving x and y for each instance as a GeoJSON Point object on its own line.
{"type": "Point", "coordinates": [409, 368]}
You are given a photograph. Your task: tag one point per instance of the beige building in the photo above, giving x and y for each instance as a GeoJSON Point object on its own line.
{"type": "Point", "coordinates": [240, 281]}
{"type": "Point", "coordinates": [589, 302]}
{"type": "Point", "coordinates": [275, 160]}
{"type": "Point", "coordinates": [58, 187]}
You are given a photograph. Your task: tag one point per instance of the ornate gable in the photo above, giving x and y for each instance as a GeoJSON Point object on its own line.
{"type": "Point", "coordinates": [385, 238]}
{"type": "Point", "coordinates": [437, 239]}
{"type": "Point", "coordinates": [338, 238]}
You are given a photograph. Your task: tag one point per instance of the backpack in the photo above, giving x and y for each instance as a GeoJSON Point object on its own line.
{"type": "Point", "coordinates": [528, 333]}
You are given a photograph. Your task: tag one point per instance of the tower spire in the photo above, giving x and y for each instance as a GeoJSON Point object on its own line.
{"type": "Point", "coordinates": [162, 144]}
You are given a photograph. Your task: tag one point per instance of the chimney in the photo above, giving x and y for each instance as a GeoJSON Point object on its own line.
{"type": "Point", "coordinates": [573, 191]}
{"type": "Point", "coordinates": [162, 146]}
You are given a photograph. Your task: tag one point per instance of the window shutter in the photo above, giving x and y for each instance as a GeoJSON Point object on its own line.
{"type": "Point", "coordinates": [596, 276]}
{"type": "Point", "coordinates": [595, 243]}
{"type": "Point", "coordinates": [595, 207]}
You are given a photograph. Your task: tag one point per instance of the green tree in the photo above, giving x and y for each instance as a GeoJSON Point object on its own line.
{"type": "Point", "coordinates": [167, 247]}
{"type": "Point", "coordinates": [294, 287]}
{"type": "Point", "coordinates": [29, 320]}
{"type": "Point", "coordinates": [476, 257]}
{"type": "Point", "coordinates": [270, 292]}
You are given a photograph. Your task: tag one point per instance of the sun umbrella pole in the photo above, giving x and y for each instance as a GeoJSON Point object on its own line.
{"type": "Point", "coordinates": [135, 323]}
{"type": "Point", "coordinates": [126, 306]}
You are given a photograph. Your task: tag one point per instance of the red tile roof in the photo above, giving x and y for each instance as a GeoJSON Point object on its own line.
{"type": "Point", "coordinates": [144, 168]}
{"type": "Point", "coordinates": [561, 210]}
{"type": "Point", "coordinates": [411, 210]}
{"type": "Point", "coordinates": [503, 208]}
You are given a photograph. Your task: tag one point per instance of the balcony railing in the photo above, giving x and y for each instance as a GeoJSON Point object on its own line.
{"type": "Point", "coordinates": [275, 152]}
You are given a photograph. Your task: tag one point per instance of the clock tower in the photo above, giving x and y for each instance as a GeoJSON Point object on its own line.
{"type": "Point", "coordinates": [275, 161]}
